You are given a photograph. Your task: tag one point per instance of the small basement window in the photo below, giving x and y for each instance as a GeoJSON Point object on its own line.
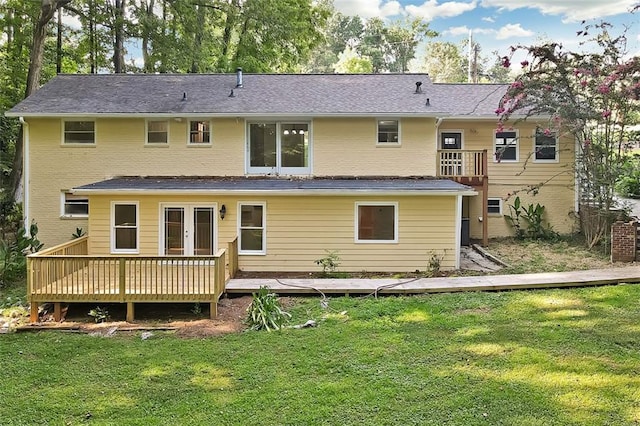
{"type": "Point", "coordinates": [74, 205]}
{"type": "Point", "coordinates": [494, 206]}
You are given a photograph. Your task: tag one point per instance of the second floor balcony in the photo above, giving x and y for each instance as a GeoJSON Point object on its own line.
{"type": "Point", "coordinates": [464, 166]}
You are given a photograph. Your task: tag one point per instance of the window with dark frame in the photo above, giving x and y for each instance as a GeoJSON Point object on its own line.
{"type": "Point", "coordinates": [388, 132]}
{"type": "Point", "coordinates": [506, 146]}
{"type": "Point", "coordinates": [79, 132]}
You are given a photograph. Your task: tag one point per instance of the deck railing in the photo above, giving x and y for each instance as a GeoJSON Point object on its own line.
{"type": "Point", "coordinates": [66, 273]}
{"type": "Point", "coordinates": [462, 163]}
{"type": "Point", "coordinates": [232, 253]}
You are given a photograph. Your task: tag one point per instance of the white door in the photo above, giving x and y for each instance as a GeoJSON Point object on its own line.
{"type": "Point", "coordinates": [188, 230]}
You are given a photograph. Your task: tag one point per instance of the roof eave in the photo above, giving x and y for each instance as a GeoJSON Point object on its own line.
{"type": "Point", "coordinates": [276, 192]}
{"type": "Point", "coordinates": [223, 114]}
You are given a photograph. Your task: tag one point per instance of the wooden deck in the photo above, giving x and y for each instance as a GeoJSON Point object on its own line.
{"type": "Point", "coordinates": [66, 273]}
{"type": "Point", "coordinates": [629, 274]}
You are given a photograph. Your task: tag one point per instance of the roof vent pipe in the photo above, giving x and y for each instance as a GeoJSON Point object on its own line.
{"type": "Point", "coordinates": [428, 103]}
{"type": "Point", "coordinates": [184, 96]}
{"type": "Point", "coordinates": [418, 88]}
{"type": "Point", "coordinates": [239, 77]}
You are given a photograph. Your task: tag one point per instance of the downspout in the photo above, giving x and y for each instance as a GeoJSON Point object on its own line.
{"type": "Point", "coordinates": [25, 174]}
{"type": "Point", "coordinates": [458, 238]}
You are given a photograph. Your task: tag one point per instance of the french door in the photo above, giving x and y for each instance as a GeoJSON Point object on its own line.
{"type": "Point", "coordinates": [188, 230]}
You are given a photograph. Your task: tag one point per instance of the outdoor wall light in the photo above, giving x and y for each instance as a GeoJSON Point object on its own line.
{"type": "Point", "coordinates": [223, 211]}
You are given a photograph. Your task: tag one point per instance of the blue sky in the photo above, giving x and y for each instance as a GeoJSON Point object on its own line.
{"type": "Point", "coordinates": [499, 24]}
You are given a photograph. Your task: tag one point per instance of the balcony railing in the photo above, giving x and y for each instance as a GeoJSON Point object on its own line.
{"type": "Point", "coordinates": [66, 273]}
{"type": "Point", "coordinates": [462, 163]}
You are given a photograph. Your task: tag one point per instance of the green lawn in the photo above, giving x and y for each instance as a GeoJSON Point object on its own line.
{"type": "Point", "coordinates": [552, 357]}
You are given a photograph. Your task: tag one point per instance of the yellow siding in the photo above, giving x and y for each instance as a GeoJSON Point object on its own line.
{"type": "Point", "coordinates": [120, 150]}
{"type": "Point", "coordinates": [347, 146]}
{"type": "Point", "coordinates": [300, 229]}
{"type": "Point", "coordinates": [341, 146]}
{"type": "Point", "coordinates": [556, 180]}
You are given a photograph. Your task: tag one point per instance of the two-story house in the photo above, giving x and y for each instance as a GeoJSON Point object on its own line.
{"type": "Point", "coordinates": [387, 169]}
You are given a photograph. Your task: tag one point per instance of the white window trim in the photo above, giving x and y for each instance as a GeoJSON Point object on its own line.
{"type": "Point", "coordinates": [63, 202]}
{"type": "Point", "coordinates": [62, 132]}
{"type": "Point", "coordinates": [189, 143]}
{"type": "Point", "coordinates": [264, 228]}
{"type": "Point", "coordinates": [517, 146]}
{"type": "Point", "coordinates": [535, 148]}
{"type": "Point", "coordinates": [112, 227]}
{"type": "Point", "coordinates": [376, 203]}
{"type": "Point", "coordinates": [500, 204]}
{"type": "Point", "coordinates": [388, 144]}
{"type": "Point", "coordinates": [278, 169]}
{"type": "Point", "coordinates": [146, 132]}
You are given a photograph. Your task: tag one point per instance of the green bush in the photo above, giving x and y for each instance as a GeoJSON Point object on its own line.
{"type": "Point", "coordinates": [528, 221]}
{"type": "Point", "coordinates": [265, 312]}
{"type": "Point", "coordinates": [628, 185]}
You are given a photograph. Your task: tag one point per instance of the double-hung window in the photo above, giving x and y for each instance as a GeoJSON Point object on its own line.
{"type": "Point", "coordinates": [251, 228]}
{"type": "Point", "coordinates": [79, 132]}
{"type": "Point", "coordinates": [376, 222]}
{"type": "Point", "coordinates": [76, 206]}
{"type": "Point", "coordinates": [388, 132]}
{"type": "Point", "coordinates": [199, 132]}
{"type": "Point", "coordinates": [506, 146]}
{"type": "Point", "coordinates": [124, 227]}
{"type": "Point", "coordinates": [157, 132]}
{"type": "Point", "coordinates": [545, 147]}
{"type": "Point", "coordinates": [279, 148]}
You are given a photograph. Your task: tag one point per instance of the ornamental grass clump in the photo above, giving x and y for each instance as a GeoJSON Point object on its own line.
{"type": "Point", "coordinates": [265, 312]}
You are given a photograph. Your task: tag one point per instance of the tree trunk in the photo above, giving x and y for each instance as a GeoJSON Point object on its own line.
{"type": "Point", "coordinates": [59, 42]}
{"type": "Point", "coordinates": [118, 46]}
{"type": "Point", "coordinates": [146, 32]}
{"type": "Point", "coordinates": [231, 14]}
{"type": "Point", "coordinates": [197, 41]}
{"type": "Point", "coordinates": [47, 10]}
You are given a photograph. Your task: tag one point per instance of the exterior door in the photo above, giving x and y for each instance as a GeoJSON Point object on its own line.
{"type": "Point", "coordinates": [451, 155]}
{"type": "Point", "coordinates": [188, 230]}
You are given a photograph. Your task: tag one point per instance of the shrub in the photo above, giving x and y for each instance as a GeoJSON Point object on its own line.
{"type": "Point", "coordinates": [265, 312]}
{"type": "Point", "coordinates": [329, 263]}
{"type": "Point", "coordinates": [528, 221]}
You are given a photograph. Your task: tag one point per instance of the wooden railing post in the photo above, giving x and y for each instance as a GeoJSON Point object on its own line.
{"type": "Point", "coordinates": [233, 257]}
{"type": "Point", "coordinates": [122, 278]}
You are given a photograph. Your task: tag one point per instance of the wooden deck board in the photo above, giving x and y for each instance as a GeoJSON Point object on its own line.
{"type": "Point", "coordinates": [629, 274]}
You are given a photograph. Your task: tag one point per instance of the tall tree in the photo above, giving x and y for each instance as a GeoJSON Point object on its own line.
{"type": "Point", "coordinates": [401, 39]}
{"type": "Point", "coordinates": [444, 63]}
{"type": "Point", "coordinates": [593, 97]}
{"type": "Point", "coordinates": [47, 11]}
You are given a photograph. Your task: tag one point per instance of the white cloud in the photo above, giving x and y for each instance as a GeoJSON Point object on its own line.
{"type": "Point", "coordinates": [464, 30]}
{"type": "Point", "coordinates": [368, 8]}
{"type": "Point", "coordinates": [570, 10]}
{"type": "Point", "coordinates": [431, 9]}
{"type": "Point", "coordinates": [512, 30]}
{"type": "Point", "coordinates": [488, 19]}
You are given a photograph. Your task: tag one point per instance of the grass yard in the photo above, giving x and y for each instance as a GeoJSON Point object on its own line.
{"type": "Point", "coordinates": [547, 357]}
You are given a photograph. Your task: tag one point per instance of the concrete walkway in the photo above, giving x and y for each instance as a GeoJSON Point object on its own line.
{"type": "Point", "coordinates": [629, 274]}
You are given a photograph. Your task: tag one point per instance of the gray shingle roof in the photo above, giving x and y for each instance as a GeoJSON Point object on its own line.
{"type": "Point", "coordinates": [213, 184]}
{"type": "Point", "coordinates": [262, 94]}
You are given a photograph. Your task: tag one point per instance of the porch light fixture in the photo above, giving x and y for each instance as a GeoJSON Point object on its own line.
{"type": "Point", "coordinates": [223, 211]}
